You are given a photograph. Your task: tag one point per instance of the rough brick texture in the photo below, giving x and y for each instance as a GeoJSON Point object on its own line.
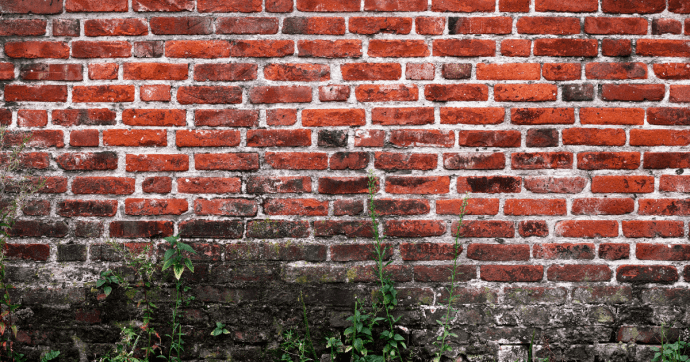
{"type": "Point", "coordinates": [566, 121]}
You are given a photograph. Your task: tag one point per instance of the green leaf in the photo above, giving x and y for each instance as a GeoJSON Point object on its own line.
{"type": "Point", "coordinates": [177, 270]}
{"type": "Point", "coordinates": [107, 290]}
{"type": "Point", "coordinates": [186, 247]}
{"type": "Point", "coordinates": [189, 265]}
{"type": "Point", "coordinates": [100, 283]}
{"type": "Point", "coordinates": [398, 337]}
{"type": "Point", "coordinates": [167, 264]}
{"type": "Point", "coordinates": [168, 254]}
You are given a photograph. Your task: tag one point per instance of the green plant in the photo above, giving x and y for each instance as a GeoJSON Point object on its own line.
{"type": "Point", "coordinates": [15, 189]}
{"type": "Point", "coordinates": [220, 329]}
{"type": "Point", "coordinates": [176, 258]}
{"type": "Point", "coordinates": [49, 356]}
{"type": "Point", "coordinates": [670, 352]}
{"type": "Point", "coordinates": [294, 345]}
{"type": "Point", "coordinates": [107, 280]}
{"type": "Point", "coordinates": [124, 350]}
{"type": "Point", "coordinates": [445, 321]}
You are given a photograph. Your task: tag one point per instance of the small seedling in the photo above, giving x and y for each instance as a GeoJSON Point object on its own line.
{"type": "Point", "coordinates": [108, 280]}
{"type": "Point", "coordinates": [220, 329]}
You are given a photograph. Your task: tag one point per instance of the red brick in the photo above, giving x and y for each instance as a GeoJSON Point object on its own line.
{"type": "Point", "coordinates": [212, 229]}
{"type": "Point", "coordinates": [314, 25]}
{"type": "Point", "coordinates": [464, 48]}
{"type": "Point", "coordinates": [594, 136]}
{"type": "Point", "coordinates": [209, 95]}
{"type": "Point", "coordinates": [498, 252]}
{"type": "Point", "coordinates": [148, 207]}
{"type": "Point", "coordinates": [566, 47]}
{"type": "Point", "coordinates": [405, 161]}
{"type": "Point", "coordinates": [475, 206]}
{"type": "Point", "coordinates": [371, 71]}
{"type": "Point", "coordinates": [665, 207]}
{"type": "Point", "coordinates": [474, 161]}
{"type": "Point", "coordinates": [345, 48]}
{"type": "Point", "coordinates": [7, 71]}
{"type": "Point", "coordinates": [225, 72]}
{"type": "Point", "coordinates": [247, 25]}
{"type": "Point", "coordinates": [395, 5]}
{"type": "Point", "coordinates": [513, 6]}
{"type": "Point", "coordinates": [281, 117]}
{"type": "Point", "coordinates": [562, 71]}
{"type": "Point", "coordinates": [456, 71]}
{"type": "Point", "coordinates": [182, 25]}
{"type": "Point", "coordinates": [525, 92]}
{"type": "Point", "coordinates": [660, 160]}
{"type": "Point", "coordinates": [40, 93]}
{"type": "Point", "coordinates": [37, 49]}
{"type": "Point", "coordinates": [154, 117]}
{"type": "Point", "coordinates": [334, 93]}
{"type": "Point", "coordinates": [157, 163]}
{"type": "Point", "coordinates": [207, 49]}
{"type": "Point", "coordinates": [633, 92]}
{"type": "Point", "coordinates": [489, 138]}
{"type": "Point", "coordinates": [280, 94]}
{"type": "Point", "coordinates": [36, 208]}
{"type": "Point", "coordinates": [135, 138]}
{"type": "Point", "coordinates": [516, 47]}
{"type": "Point", "coordinates": [226, 207]}
{"type": "Point", "coordinates": [347, 207]}
{"type": "Point", "coordinates": [227, 161]}
{"type": "Point", "coordinates": [672, 252]}
{"type": "Point", "coordinates": [493, 115]}
{"type": "Point", "coordinates": [35, 160]}
{"type": "Point", "coordinates": [208, 185]}
{"type": "Point", "coordinates": [32, 118]}
{"type": "Point", "coordinates": [613, 251]}
{"type": "Point", "coordinates": [422, 138]}
{"type": "Point", "coordinates": [570, 6]}
{"type": "Point", "coordinates": [678, 6]}
{"type": "Point", "coordinates": [356, 252]}
{"type": "Point", "coordinates": [489, 184]}
{"type": "Point", "coordinates": [420, 71]}
{"type": "Point", "coordinates": [101, 49]}
{"type": "Point", "coordinates": [51, 184]}
{"type": "Point", "coordinates": [564, 251]}
{"type": "Point", "coordinates": [207, 138]}
{"type": "Point", "coordinates": [463, 6]}
{"type": "Point", "coordinates": [163, 5]}
{"type": "Point", "coordinates": [508, 71]}
{"type": "Point", "coordinates": [386, 93]}
{"type": "Point", "coordinates": [36, 228]}
{"type": "Point", "coordinates": [427, 25]}
{"type": "Point", "coordinates": [484, 229]}
{"type": "Point", "coordinates": [632, 6]}
{"type": "Point", "coordinates": [58, 72]}
{"type": "Point", "coordinates": [140, 229]}
{"type": "Point", "coordinates": [603, 206]}
{"type": "Point", "coordinates": [333, 117]}
{"type": "Point", "coordinates": [158, 185]}
{"type": "Point", "coordinates": [31, 7]}
{"type": "Point", "coordinates": [278, 138]}
{"type": "Point", "coordinates": [103, 93]}
{"type": "Point", "coordinates": [75, 208]}
{"type": "Point", "coordinates": [103, 185]}
{"type": "Point", "coordinates": [297, 160]}
{"type": "Point", "coordinates": [608, 160]}
{"type": "Point", "coordinates": [228, 6]}
{"type": "Point", "coordinates": [262, 48]}
{"type": "Point", "coordinates": [304, 207]}
{"type": "Point", "coordinates": [659, 137]}
{"type": "Point", "coordinates": [385, 207]}
{"type": "Point", "coordinates": [533, 116]}
{"type": "Point", "coordinates": [672, 70]}
{"type": "Point", "coordinates": [84, 138]}
{"type": "Point", "coordinates": [378, 25]}
{"type": "Point", "coordinates": [96, 6]}
{"type": "Point", "coordinates": [428, 251]}
{"type": "Point", "coordinates": [546, 137]}
{"type": "Point", "coordinates": [443, 273]}
{"type": "Point", "coordinates": [155, 71]}
{"type": "Point", "coordinates": [622, 116]}
{"type": "Point", "coordinates": [22, 27]}
{"type": "Point", "coordinates": [616, 47]}
{"type": "Point", "coordinates": [548, 25]}
{"type": "Point", "coordinates": [428, 185]}
{"type": "Point", "coordinates": [679, 94]}
{"type": "Point", "coordinates": [297, 72]}
{"type": "Point", "coordinates": [369, 138]}
{"type": "Point", "coordinates": [226, 118]}
{"type": "Point", "coordinates": [402, 116]}
{"type": "Point", "coordinates": [646, 274]}
{"type": "Point", "coordinates": [480, 25]}
{"type": "Point", "coordinates": [541, 160]}
{"type": "Point", "coordinates": [104, 71]}
{"type": "Point", "coordinates": [579, 273]}
{"type": "Point", "coordinates": [351, 229]}
{"type": "Point", "coordinates": [456, 92]}
{"type": "Point", "coordinates": [272, 185]}
{"type": "Point", "coordinates": [328, 5]}
{"type": "Point", "coordinates": [663, 48]}
{"type": "Point", "coordinates": [148, 49]}
{"type": "Point", "coordinates": [349, 160]}
{"type": "Point", "coordinates": [673, 183]}
{"type": "Point", "coordinates": [414, 228]}
{"type": "Point", "coordinates": [38, 139]}
{"type": "Point", "coordinates": [666, 26]}
{"type": "Point", "coordinates": [88, 161]}
{"type": "Point", "coordinates": [35, 252]}
{"type": "Point", "coordinates": [512, 273]}
{"type": "Point", "coordinates": [116, 27]}
{"type": "Point", "coordinates": [587, 229]}
{"type": "Point", "coordinates": [344, 185]}
{"type": "Point", "coordinates": [653, 229]}
{"type": "Point", "coordinates": [155, 93]}
{"type": "Point", "coordinates": [668, 116]}
{"type": "Point", "coordinates": [523, 207]}
{"type": "Point", "coordinates": [616, 71]}
{"type": "Point", "coordinates": [615, 26]}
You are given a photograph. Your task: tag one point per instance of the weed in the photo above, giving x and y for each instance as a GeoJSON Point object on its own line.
{"type": "Point", "coordinates": [124, 350]}
{"type": "Point", "coordinates": [220, 329]}
{"type": "Point", "coordinates": [670, 352]}
{"type": "Point", "coordinates": [445, 321]}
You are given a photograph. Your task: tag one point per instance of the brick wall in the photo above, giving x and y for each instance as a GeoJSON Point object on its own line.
{"type": "Point", "coordinates": [565, 120]}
